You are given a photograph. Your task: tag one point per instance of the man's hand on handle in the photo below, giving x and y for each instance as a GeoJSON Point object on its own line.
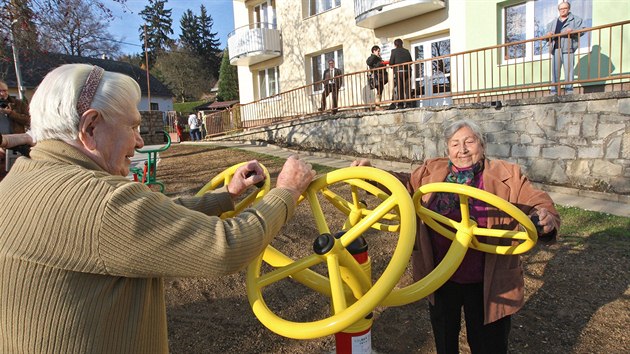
{"type": "Point", "coordinates": [295, 176]}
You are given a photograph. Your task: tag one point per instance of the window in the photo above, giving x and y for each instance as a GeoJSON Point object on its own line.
{"type": "Point", "coordinates": [434, 76]}
{"type": "Point", "coordinates": [155, 106]}
{"type": "Point", "coordinates": [319, 63]}
{"type": "Point", "coordinates": [269, 82]}
{"type": "Point", "coordinates": [265, 15]}
{"type": "Point", "coordinates": [529, 20]}
{"type": "Point", "coordinates": [317, 6]}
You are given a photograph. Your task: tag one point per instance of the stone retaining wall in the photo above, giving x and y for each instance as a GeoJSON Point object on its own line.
{"type": "Point", "coordinates": [576, 141]}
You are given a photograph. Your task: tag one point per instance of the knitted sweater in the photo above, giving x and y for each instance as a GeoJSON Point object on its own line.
{"type": "Point", "coordinates": [83, 253]}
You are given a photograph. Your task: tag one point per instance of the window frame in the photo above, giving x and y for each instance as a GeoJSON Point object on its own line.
{"type": "Point", "coordinates": [316, 7]}
{"type": "Point", "coordinates": [322, 62]}
{"type": "Point", "coordinates": [264, 14]}
{"type": "Point", "coordinates": [264, 76]}
{"type": "Point", "coordinates": [530, 25]}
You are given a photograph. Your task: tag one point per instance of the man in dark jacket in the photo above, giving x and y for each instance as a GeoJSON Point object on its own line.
{"type": "Point", "coordinates": [14, 116]}
{"type": "Point", "coordinates": [332, 82]}
{"type": "Point", "coordinates": [402, 73]}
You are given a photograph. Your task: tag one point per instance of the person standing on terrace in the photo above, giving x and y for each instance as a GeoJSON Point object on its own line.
{"type": "Point", "coordinates": [402, 73]}
{"type": "Point", "coordinates": [563, 47]}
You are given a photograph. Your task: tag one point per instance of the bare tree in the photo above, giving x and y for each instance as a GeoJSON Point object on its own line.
{"type": "Point", "coordinates": [183, 72]}
{"type": "Point", "coordinates": [75, 28]}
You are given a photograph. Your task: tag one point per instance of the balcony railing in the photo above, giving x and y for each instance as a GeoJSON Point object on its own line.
{"type": "Point", "coordinates": [378, 13]}
{"type": "Point", "coordinates": [483, 75]}
{"type": "Point", "coordinates": [254, 43]}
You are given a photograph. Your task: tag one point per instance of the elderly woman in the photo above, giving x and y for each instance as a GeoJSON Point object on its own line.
{"type": "Point", "coordinates": [82, 271]}
{"type": "Point", "coordinates": [488, 286]}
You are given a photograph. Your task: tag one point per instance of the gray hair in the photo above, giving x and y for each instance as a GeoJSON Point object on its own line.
{"type": "Point", "coordinates": [452, 128]}
{"type": "Point", "coordinates": [54, 105]}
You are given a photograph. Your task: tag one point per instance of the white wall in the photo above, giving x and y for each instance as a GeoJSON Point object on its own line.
{"type": "Point", "coordinates": [164, 103]}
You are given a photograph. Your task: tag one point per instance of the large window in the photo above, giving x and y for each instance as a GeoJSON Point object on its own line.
{"type": "Point", "coordinates": [265, 14]}
{"type": "Point", "coordinates": [317, 6]}
{"type": "Point", "coordinates": [269, 82]}
{"type": "Point", "coordinates": [319, 63]}
{"type": "Point", "coordinates": [432, 77]}
{"type": "Point", "coordinates": [529, 19]}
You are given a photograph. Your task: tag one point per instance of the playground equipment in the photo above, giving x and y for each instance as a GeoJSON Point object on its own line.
{"type": "Point", "coordinates": [149, 170]}
{"type": "Point", "coordinates": [349, 286]}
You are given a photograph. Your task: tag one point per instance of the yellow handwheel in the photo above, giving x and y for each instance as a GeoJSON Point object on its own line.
{"type": "Point", "coordinates": [356, 209]}
{"type": "Point", "coordinates": [349, 286]}
{"type": "Point", "coordinates": [224, 178]}
{"type": "Point", "coordinates": [464, 237]}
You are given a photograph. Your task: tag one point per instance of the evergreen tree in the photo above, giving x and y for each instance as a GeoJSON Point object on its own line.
{"type": "Point", "coordinates": [228, 80]}
{"type": "Point", "coordinates": [158, 28]}
{"type": "Point", "coordinates": [197, 36]}
{"type": "Point", "coordinates": [209, 42]}
{"type": "Point", "coordinates": [190, 32]}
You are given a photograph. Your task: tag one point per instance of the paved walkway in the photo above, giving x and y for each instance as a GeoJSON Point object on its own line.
{"type": "Point", "coordinates": [560, 195]}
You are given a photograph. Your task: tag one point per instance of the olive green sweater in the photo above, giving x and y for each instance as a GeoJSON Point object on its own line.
{"type": "Point", "coordinates": [83, 253]}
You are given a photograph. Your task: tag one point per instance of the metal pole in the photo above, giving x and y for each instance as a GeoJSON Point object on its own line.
{"type": "Point", "coordinates": [16, 61]}
{"type": "Point", "coordinates": [146, 63]}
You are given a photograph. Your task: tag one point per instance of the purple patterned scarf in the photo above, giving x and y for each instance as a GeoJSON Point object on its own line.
{"type": "Point", "coordinates": [447, 202]}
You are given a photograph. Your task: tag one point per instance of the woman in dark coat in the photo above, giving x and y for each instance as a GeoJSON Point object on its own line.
{"type": "Point", "coordinates": [379, 76]}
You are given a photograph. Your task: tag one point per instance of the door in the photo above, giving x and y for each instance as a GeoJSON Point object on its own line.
{"type": "Point", "coordinates": [432, 77]}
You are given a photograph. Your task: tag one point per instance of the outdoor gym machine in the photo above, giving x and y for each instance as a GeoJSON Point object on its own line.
{"type": "Point", "coordinates": [348, 284]}
{"type": "Point", "coordinates": [149, 170]}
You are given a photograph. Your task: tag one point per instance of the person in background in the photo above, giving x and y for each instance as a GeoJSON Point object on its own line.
{"type": "Point", "coordinates": [14, 119]}
{"type": "Point", "coordinates": [14, 114]}
{"type": "Point", "coordinates": [8, 141]}
{"type": "Point", "coordinates": [563, 47]}
{"type": "Point", "coordinates": [179, 128]}
{"type": "Point", "coordinates": [82, 272]}
{"type": "Point", "coordinates": [488, 287]}
{"type": "Point", "coordinates": [402, 74]}
{"type": "Point", "coordinates": [194, 125]}
{"type": "Point", "coordinates": [332, 81]}
{"type": "Point", "coordinates": [379, 74]}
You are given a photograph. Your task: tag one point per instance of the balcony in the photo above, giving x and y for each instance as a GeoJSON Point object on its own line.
{"type": "Point", "coordinates": [378, 13]}
{"type": "Point", "coordinates": [254, 43]}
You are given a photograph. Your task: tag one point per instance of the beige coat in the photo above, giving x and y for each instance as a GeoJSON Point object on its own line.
{"type": "Point", "coordinates": [503, 275]}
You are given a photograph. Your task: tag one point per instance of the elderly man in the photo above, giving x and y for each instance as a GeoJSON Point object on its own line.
{"type": "Point", "coordinates": [82, 270]}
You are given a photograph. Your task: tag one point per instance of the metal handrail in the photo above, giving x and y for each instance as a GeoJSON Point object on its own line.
{"type": "Point", "coordinates": [254, 25]}
{"type": "Point", "coordinates": [480, 75]}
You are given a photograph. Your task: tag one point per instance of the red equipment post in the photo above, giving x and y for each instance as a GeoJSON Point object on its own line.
{"type": "Point", "coordinates": [357, 339]}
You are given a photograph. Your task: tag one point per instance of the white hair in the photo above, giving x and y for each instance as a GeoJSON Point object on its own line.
{"type": "Point", "coordinates": [453, 127]}
{"type": "Point", "coordinates": [54, 105]}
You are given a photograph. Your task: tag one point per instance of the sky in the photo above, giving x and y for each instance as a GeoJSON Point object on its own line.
{"type": "Point", "coordinates": [127, 20]}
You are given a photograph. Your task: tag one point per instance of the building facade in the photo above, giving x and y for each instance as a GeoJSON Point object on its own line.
{"type": "Point", "coordinates": [281, 45]}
